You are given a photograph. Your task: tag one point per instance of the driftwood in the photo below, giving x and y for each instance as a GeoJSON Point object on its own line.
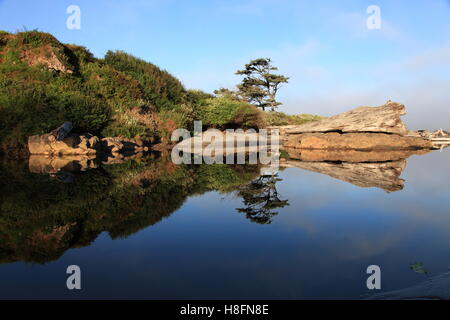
{"type": "Point", "coordinates": [384, 119]}
{"type": "Point", "coordinates": [61, 132]}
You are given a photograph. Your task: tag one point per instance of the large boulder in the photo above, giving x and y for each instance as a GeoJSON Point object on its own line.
{"type": "Point", "coordinates": [384, 119]}
{"type": "Point", "coordinates": [46, 144]}
{"type": "Point", "coordinates": [112, 144]}
{"type": "Point", "coordinates": [59, 143]}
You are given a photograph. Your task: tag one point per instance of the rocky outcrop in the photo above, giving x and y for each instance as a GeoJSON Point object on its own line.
{"type": "Point", "coordinates": [439, 138]}
{"type": "Point", "coordinates": [46, 57]}
{"type": "Point", "coordinates": [385, 119]}
{"type": "Point", "coordinates": [47, 144]}
{"type": "Point", "coordinates": [122, 145]}
{"type": "Point", "coordinates": [354, 141]}
{"type": "Point", "coordinates": [60, 153]}
{"type": "Point", "coordinates": [60, 142]}
{"type": "Point", "coordinates": [364, 128]}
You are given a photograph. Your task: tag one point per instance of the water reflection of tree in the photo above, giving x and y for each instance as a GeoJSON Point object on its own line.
{"type": "Point", "coordinates": [261, 199]}
{"type": "Point", "coordinates": [40, 217]}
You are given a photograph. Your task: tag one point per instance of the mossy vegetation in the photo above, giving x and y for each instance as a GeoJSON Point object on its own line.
{"type": "Point", "coordinates": [44, 82]}
{"type": "Point", "coordinates": [158, 88]}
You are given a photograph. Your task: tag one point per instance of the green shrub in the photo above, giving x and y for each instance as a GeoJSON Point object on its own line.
{"type": "Point", "coordinates": [81, 54]}
{"type": "Point", "coordinates": [159, 88]}
{"type": "Point", "coordinates": [226, 112]}
{"type": "Point", "coordinates": [130, 130]}
{"type": "Point", "coordinates": [274, 118]}
{"type": "Point", "coordinates": [121, 91]}
{"type": "Point", "coordinates": [197, 97]}
{"type": "Point", "coordinates": [119, 95]}
{"type": "Point", "coordinates": [39, 43]}
{"type": "Point", "coordinates": [29, 108]}
{"type": "Point", "coordinates": [3, 37]}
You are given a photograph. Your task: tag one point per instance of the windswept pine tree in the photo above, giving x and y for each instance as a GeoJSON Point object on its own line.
{"type": "Point", "coordinates": [260, 86]}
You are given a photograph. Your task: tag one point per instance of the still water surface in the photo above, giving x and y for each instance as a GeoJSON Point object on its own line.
{"type": "Point", "coordinates": [153, 230]}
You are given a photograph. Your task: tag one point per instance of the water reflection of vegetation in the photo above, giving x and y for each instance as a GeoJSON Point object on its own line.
{"type": "Point", "coordinates": [40, 218]}
{"type": "Point", "coordinates": [261, 199]}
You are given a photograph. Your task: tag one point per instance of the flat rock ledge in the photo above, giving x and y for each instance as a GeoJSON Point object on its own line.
{"type": "Point", "coordinates": [383, 119]}
{"type": "Point", "coordinates": [363, 128]}
{"type": "Point", "coordinates": [355, 141]}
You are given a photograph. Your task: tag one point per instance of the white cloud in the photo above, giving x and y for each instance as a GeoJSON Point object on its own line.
{"type": "Point", "coordinates": [354, 26]}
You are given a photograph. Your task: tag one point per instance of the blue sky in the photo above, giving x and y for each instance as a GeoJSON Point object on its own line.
{"type": "Point", "coordinates": [334, 61]}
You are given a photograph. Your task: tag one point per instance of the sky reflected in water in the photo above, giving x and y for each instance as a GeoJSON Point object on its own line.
{"type": "Point", "coordinates": [317, 247]}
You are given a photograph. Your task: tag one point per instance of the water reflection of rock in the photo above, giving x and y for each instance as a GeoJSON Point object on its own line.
{"type": "Point", "coordinates": [380, 169]}
{"type": "Point", "coordinates": [352, 156]}
{"type": "Point", "coordinates": [51, 165]}
{"type": "Point", "coordinates": [383, 175]}
{"type": "Point", "coordinates": [46, 164]}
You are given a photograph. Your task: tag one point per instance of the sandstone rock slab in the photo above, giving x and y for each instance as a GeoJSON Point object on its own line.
{"type": "Point", "coordinates": [384, 119]}
{"type": "Point", "coordinates": [72, 145]}
{"type": "Point", "coordinates": [355, 141]}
